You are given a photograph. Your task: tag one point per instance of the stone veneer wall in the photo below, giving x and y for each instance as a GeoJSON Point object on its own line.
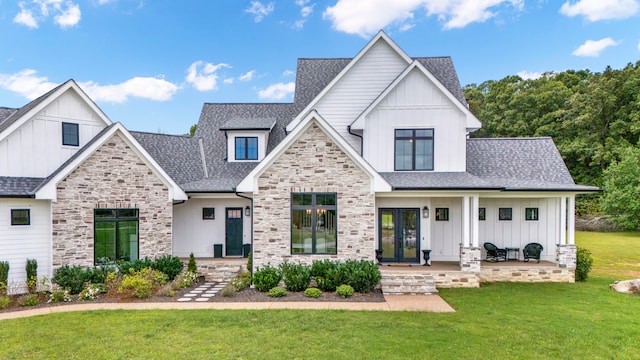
{"type": "Point", "coordinates": [313, 163]}
{"type": "Point", "coordinates": [113, 177]}
{"type": "Point", "coordinates": [527, 274]}
{"type": "Point", "coordinates": [470, 259]}
{"type": "Point", "coordinates": [567, 256]}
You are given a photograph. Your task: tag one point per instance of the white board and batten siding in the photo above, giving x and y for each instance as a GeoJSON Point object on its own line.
{"type": "Point", "coordinates": [35, 149]}
{"type": "Point", "coordinates": [21, 242]}
{"type": "Point", "coordinates": [192, 234]}
{"type": "Point", "coordinates": [518, 232]}
{"type": "Point", "coordinates": [359, 87]}
{"type": "Point", "coordinates": [416, 103]}
{"type": "Point", "coordinates": [446, 236]}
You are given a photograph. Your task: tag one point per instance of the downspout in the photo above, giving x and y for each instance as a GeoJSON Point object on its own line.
{"type": "Point", "coordinates": [361, 140]}
{"type": "Point", "coordinates": [252, 215]}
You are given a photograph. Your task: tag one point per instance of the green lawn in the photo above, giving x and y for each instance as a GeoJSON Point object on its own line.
{"type": "Point", "coordinates": [496, 321]}
{"type": "Point", "coordinates": [615, 255]}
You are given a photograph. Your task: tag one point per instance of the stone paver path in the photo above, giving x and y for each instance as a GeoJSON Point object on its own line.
{"type": "Point", "coordinates": [203, 292]}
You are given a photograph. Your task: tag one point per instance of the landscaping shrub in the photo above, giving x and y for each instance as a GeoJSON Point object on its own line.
{"type": "Point", "coordinates": [191, 266]}
{"type": "Point", "coordinates": [5, 301]}
{"type": "Point", "coordinates": [32, 275]}
{"type": "Point", "coordinates": [186, 279]}
{"type": "Point", "coordinates": [228, 291]}
{"type": "Point", "coordinates": [125, 267]}
{"type": "Point", "coordinates": [30, 300]}
{"type": "Point", "coordinates": [4, 277]}
{"type": "Point", "coordinates": [90, 292]}
{"type": "Point", "coordinates": [140, 284]}
{"type": "Point", "coordinates": [168, 265]}
{"type": "Point", "coordinates": [326, 274]}
{"type": "Point", "coordinates": [267, 278]}
{"type": "Point", "coordinates": [98, 274]}
{"type": "Point", "coordinates": [362, 275]}
{"type": "Point", "coordinates": [57, 296]}
{"type": "Point", "coordinates": [584, 263]}
{"type": "Point", "coordinates": [277, 292]}
{"type": "Point", "coordinates": [241, 281]}
{"type": "Point", "coordinates": [297, 277]}
{"type": "Point", "coordinates": [249, 262]}
{"type": "Point", "coordinates": [344, 291]}
{"type": "Point", "coordinates": [112, 283]}
{"type": "Point", "coordinates": [313, 292]}
{"type": "Point", "coordinates": [70, 278]}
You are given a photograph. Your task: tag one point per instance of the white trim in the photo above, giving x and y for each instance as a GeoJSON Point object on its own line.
{"type": "Point", "coordinates": [466, 223]}
{"type": "Point", "coordinates": [571, 220]}
{"type": "Point", "coordinates": [48, 191]}
{"type": "Point", "coordinates": [563, 220]}
{"type": "Point", "coordinates": [380, 36]}
{"type": "Point", "coordinates": [472, 122]}
{"type": "Point", "coordinates": [250, 182]}
{"type": "Point", "coordinates": [69, 85]}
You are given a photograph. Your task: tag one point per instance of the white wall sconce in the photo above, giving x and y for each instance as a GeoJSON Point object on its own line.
{"type": "Point", "coordinates": [247, 211]}
{"type": "Point", "coordinates": [425, 212]}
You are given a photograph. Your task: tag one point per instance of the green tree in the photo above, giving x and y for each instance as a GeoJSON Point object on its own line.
{"type": "Point", "coordinates": [192, 130]}
{"type": "Point", "coordinates": [622, 189]}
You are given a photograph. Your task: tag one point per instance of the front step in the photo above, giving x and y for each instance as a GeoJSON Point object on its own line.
{"type": "Point", "coordinates": [396, 282]}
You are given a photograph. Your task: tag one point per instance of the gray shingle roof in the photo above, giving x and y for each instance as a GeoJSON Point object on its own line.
{"type": "Point", "coordinates": [435, 181]}
{"type": "Point", "coordinates": [313, 75]}
{"type": "Point", "coordinates": [249, 124]}
{"type": "Point", "coordinates": [8, 121]}
{"type": "Point", "coordinates": [443, 70]}
{"type": "Point", "coordinates": [18, 186]}
{"type": "Point", "coordinates": [5, 112]}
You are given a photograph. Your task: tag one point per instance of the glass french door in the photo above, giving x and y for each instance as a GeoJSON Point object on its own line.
{"type": "Point", "coordinates": [399, 235]}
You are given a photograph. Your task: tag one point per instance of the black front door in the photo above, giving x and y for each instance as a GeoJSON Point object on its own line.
{"type": "Point", "coordinates": [399, 235]}
{"type": "Point", "coordinates": [233, 232]}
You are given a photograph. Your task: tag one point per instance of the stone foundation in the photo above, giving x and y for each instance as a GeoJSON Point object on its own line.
{"type": "Point", "coordinates": [566, 256]}
{"type": "Point", "coordinates": [456, 279]}
{"type": "Point", "coordinates": [470, 258]}
{"type": "Point", "coordinates": [526, 274]}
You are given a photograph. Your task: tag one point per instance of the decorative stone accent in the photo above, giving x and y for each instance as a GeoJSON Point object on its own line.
{"type": "Point", "coordinates": [313, 163]}
{"type": "Point", "coordinates": [456, 279]}
{"type": "Point", "coordinates": [470, 259]}
{"type": "Point", "coordinates": [113, 177]}
{"type": "Point", "coordinates": [526, 274]}
{"type": "Point", "coordinates": [397, 282]}
{"type": "Point", "coordinates": [566, 256]}
{"type": "Point", "coordinates": [220, 270]}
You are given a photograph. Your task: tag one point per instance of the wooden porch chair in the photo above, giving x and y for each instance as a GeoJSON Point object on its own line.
{"type": "Point", "coordinates": [494, 253]}
{"type": "Point", "coordinates": [532, 251]}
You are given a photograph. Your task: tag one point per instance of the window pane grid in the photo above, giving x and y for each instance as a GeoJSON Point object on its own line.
{"type": "Point", "coordinates": [70, 134]}
{"type": "Point", "coordinates": [246, 148]}
{"type": "Point", "coordinates": [313, 223]}
{"type": "Point", "coordinates": [413, 149]}
{"type": "Point", "coordinates": [20, 217]}
{"type": "Point", "coordinates": [116, 235]}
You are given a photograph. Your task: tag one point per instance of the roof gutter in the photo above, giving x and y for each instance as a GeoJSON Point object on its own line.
{"type": "Point", "coordinates": [32, 196]}
{"type": "Point", "coordinates": [361, 139]}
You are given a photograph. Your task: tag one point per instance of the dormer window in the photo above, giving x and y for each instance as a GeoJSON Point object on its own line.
{"type": "Point", "coordinates": [246, 148]}
{"type": "Point", "coordinates": [70, 134]}
{"type": "Point", "coordinates": [413, 149]}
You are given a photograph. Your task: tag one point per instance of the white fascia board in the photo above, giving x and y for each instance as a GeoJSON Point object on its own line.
{"type": "Point", "coordinates": [381, 35]}
{"type": "Point", "coordinates": [70, 84]}
{"type": "Point", "coordinates": [49, 190]}
{"type": "Point", "coordinates": [250, 182]}
{"type": "Point", "coordinates": [472, 121]}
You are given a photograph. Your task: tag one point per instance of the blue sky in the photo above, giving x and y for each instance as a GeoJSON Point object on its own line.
{"type": "Point", "coordinates": [152, 64]}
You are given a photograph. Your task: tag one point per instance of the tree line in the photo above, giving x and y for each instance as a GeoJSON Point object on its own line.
{"type": "Point", "coordinates": [594, 119]}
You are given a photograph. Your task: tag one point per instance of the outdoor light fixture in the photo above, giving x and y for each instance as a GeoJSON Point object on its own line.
{"type": "Point", "coordinates": [247, 211]}
{"type": "Point", "coordinates": [425, 212]}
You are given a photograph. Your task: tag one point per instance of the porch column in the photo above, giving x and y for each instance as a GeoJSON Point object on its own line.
{"type": "Point", "coordinates": [466, 231]}
{"type": "Point", "coordinates": [563, 220]}
{"type": "Point", "coordinates": [571, 220]}
{"type": "Point", "coordinates": [476, 223]}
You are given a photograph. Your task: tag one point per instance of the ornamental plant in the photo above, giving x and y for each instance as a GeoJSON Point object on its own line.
{"type": "Point", "coordinates": [344, 291]}
{"type": "Point", "coordinates": [313, 292]}
{"type": "Point", "coordinates": [90, 292]}
{"type": "Point", "coordinates": [277, 292]}
{"type": "Point", "coordinates": [192, 267]}
{"type": "Point", "coordinates": [32, 275]}
{"type": "Point", "coordinates": [4, 277]}
{"type": "Point", "coordinates": [297, 277]}
{"type": "Point", "coordinates": [584, 263]}
{"type": "Point", "coordinates": [267, 278]}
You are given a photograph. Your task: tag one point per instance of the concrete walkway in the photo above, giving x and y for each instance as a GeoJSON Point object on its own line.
{"type": "Point", "coordinates": [426, 303]}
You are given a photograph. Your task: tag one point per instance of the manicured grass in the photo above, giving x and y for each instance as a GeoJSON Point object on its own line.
{"type": "Point", "coordinates": [616, 256]}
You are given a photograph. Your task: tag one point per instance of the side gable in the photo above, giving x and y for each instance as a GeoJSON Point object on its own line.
{"type": "Point", "coordinates": [250, 182]}
{"type": "Point", "coordinates": [48, 189]}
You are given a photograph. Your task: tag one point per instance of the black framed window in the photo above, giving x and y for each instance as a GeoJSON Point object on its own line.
{"type": "Point", "coordinates": [208, 213]}
{"type": "Point", "coordinates": [314, 219]}
{"type": "Point", "coordinates": [246, 148]}
{"type": "Point", "coordinates": [505, 214]}
{"type": "Point", "coordinates": [20, 217]}
{"type": "Point", "coordinates": [442, 214]}
{"type": "Point", "coordinates": [116, 235]}
{"type": "Point", "coordinates": [70, 134]}
{"type": "Point", "coordinates": [413, 149]}
{"type": "Point", "coordinates": [482, 214]}
{"type": "Point", "coordinates": [531, 214]}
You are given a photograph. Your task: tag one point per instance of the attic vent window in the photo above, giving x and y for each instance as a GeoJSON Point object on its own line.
{"type": "Point", "coordinates": [70, 134]}
{"type": "Point", "coordinates": [246, 148]}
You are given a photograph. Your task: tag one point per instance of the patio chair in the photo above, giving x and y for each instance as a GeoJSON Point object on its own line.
{"type": "Point", "coordinates": [494, 253]}
{"type": "Point", "coordinates": [532, 251]}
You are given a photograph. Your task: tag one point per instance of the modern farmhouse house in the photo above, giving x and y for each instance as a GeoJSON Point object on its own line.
{"type": "Point", "coordinates": [373, 157]}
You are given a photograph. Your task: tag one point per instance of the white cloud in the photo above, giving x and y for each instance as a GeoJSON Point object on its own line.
{"type": "Point", "coordinates": [26, 83]}
{"type": "Point", "coordinates": [529, 75]}
{"type": "Point", "coordinates": [287, 73]}
{"type": "Point", "coordinates": [306, 10]}
{"type": "Point", "coordinates": [202, 76]}
{"type": "Point", "coordinates": [259, 10]}
{"type": "Point", "coordinates": [595, 10]}
{"type": "Point", "coordinates": [247, 76]}
{"type": "Point", "coordinates": [228, 81]}
{"type": "Point", "coordinates": [639, 46]}
{"type": "Point", "coordinates": [365, 17]}
{"type": "Point", "coordinates": [69, 17]}
{"type": "Point", "coordinates": [277, 91]}
{"type": "Point", "coordinates": [65, 13]}
{"type": "Point", "coordinates": [593, 48]}
{"type": "Point", "coordinates": [143, 87]}
{"type": "Point", "coordinates": [299, 24]}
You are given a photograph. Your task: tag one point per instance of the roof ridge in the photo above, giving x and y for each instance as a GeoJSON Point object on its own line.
{"type": "Point", "coordinates": [514, 138]}
{"type": "Point", "coordinates": [265, 103]}
{"type": "Point", "coordinates": [152, 133]}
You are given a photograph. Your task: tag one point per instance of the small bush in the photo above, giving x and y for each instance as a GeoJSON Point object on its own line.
{"type": "Point", "coordinates": [296, 277]}
{"type": "Point", "coordinates": [241, 281]}
{"type": "Point", "coordinates": [584, 263]}
{"type": "Point", "coordinates": [57, 296]}
{"type": "Point", "coordinates": [140, 284]}
{"type": "Point", "coordinates": [32, 275]}
{"type": "Point", "coordinates": [266, 278]}
{"type": "Point", "coordinates": [124, 267]}
{"type": "Point", "coordinates": [30, 300]}
{"type": "Point", "coordinates": [186, 279]}
{"type": "Point", "coordinates": [4, 277]}
{"type": "Point", "coordinates": [326, 274]}
{"type": "Point", "coordinates": [228, 291]}
{"type": "Point", "coordinates": [313, 292]}
{"type": "Point", "coordinates": [362, 275]}
{"type": "Point", "coordinates": [344, 291]}
{"type": "Point", "coordinates": [168, 265]}
{"type": "Point", "coordinates": [112, 283]}
{"type": "Point", "coordinates": [5, 301]}
{"type": "Point", "coordinates": [98, 274]}
{"type": "Point", "coordinates": [249, 262]}
{"type": "Point", "coordinates": [167, 290]}
{"type": "Point", "coordinates": [192, 267]}
{"type": "Point", "coordinates": [277, 292]}
{"type": "Point", "coordinates": [90, 292]}
{"type": "Point", "coordinates": [70, 277]}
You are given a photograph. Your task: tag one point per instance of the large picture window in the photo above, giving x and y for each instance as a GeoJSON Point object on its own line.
{"type": "Point", "coordinates": [313, 223]}
{"type": "Point", "coordinates": [115, 235]}
{"type": "Point", "coordinates": [414, 149]}
{"type": "Point", "coordinates": [70, 134]}
{"type": "Point", "coordinates": [246, 148]}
